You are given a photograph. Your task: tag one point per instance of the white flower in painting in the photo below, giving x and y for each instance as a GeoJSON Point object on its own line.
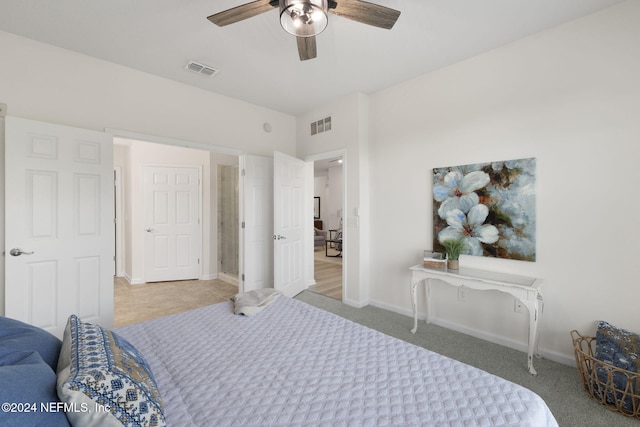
{"type": "Point", "coordinates": [470, 228]}
{"type": "Point", "coordinates": [457, 191]}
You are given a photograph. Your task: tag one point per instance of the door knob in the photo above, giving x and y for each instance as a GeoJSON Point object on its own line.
{"type": "Point", "coordinates": [278, 237]}
{"type": "Point", "coordinates": [18, 252]}
{"type": "Point", "coordinates": [149, 230]}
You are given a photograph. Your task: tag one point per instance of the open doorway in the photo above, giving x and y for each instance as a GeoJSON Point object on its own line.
{"type": "Point", "coordinates": [329, 239]}
{"type": "Point", "coordinates": [131, 157]}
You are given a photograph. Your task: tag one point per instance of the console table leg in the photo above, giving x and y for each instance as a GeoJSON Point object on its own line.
{"type": "Point", "coordinates": [532, 370]}
{"type": "Point", "coordinates": [540, 309]}
{"type": "Point", "coordinates": [414, 306]}
{"type": "Point", "coordinates": [427, 294]}
{"type": "Point", "coordinates": [533, 334]}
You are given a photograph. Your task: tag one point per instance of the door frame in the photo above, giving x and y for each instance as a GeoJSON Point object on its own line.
{"type": "Point", "coordinates": [119, 220]}
{"type": "Point", "coordinates": [119, 133]}
{"type": "Point", "coordinates": [3, 111]}
{"type": "Point", "coordinates": [125, 134]}
{"type": "Point", "coordinates": [345, 208]}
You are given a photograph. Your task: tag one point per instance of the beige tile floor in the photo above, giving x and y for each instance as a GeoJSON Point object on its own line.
{"type": "Point", "coordinates": [136, 303]}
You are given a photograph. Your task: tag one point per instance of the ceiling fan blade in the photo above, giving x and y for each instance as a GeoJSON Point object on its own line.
{"type": "Point", "coordinates": [365, 12]}
{"type": "Point", "coordinates": [307, 48]}
{"type": "Point", "coordinates": [242, 12]}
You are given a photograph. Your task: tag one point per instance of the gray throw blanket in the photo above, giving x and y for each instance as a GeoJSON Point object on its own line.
{"type": "Point", "coordinates": [253, 302]}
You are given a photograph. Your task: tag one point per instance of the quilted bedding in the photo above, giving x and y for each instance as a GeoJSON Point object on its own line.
{"type": "Point", "coordinates": [296, 365]}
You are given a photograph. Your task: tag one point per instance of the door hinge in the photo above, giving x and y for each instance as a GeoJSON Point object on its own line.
{"type": "Point", "coordinates": [243, 172]}
{"type": "Point", "coordinates": [243, 224]}
{"type": "Point", "coordinates": [243, 277]}
{"type": "Point", "coordinates": [198, 260]}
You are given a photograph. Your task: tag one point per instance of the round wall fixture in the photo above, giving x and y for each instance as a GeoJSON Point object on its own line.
{"type": "Point", "coordinates": [267, 127]}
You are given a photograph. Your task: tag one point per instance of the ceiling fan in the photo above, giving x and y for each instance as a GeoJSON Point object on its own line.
{"type": "Point", "coordinates": [305, 19]}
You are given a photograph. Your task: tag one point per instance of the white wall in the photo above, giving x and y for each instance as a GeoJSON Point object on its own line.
{"type": "Point", "coordinates": [569, 96]}
{"type": "Point", "coordinates": [329, 188]}
{"type": "Point", "coordinates": [43, 82]}
{"type": "Point", "coordinates": [335, 196]}
{"type": "Point", "coordinates": [321, 189]}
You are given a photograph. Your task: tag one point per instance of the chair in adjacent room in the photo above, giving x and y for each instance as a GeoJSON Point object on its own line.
{"type": "Point", "coordinates": [319, 237]}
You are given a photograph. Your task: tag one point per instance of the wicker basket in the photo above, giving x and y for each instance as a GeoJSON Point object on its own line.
{"type": "Point", "coordinates": [616, 388]}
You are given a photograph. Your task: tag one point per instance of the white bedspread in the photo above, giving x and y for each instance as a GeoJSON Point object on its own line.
{"type": "Point", "coordinates": [296, 365]}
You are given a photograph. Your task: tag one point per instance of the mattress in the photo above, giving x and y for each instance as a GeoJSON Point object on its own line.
{"type": "Point", "coordinates": [295, 365]}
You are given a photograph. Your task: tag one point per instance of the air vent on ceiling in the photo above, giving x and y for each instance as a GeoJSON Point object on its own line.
{"type": "Point", "coordinates": [199, 68]}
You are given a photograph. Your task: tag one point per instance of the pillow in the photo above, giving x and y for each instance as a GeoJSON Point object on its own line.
{"type": "Point", "coordinates": [28, 391]}
{"type": "Point", "coordinates": [103, 372]}
{"type": "Point", "coordinates": [620, 348]}
{"type": "Point", "coordinates": [18, 335]}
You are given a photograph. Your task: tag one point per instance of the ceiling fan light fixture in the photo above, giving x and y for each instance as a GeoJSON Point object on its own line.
{"type": "Point", "coordinates": [304, 18]}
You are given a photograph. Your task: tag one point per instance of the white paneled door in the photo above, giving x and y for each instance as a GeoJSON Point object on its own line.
{"type": "Point", "coordinates": [290, 216]}
{"type": "Point", "coordinates": [59, 236]}
{"type": "Point", "coordinates": [257, 214]}
{"type": "Point", "coordinates": [172, 223]}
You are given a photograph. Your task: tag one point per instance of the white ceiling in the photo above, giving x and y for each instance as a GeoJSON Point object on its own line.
{"type": "Point", "coordinates": [258, 61]}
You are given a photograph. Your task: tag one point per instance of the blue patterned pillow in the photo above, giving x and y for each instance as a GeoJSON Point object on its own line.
{"type": "Point", "coordinates": [620, 348]}
{"type": "Point", "coordinates": [105, 379]}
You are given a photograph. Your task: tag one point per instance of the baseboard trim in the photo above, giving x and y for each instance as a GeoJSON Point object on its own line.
{"type": "Point", "coordinates": [507, 342]}
{"type": "Point", "coordinates": [209, 277]}
{"type": "Point", "coordinates": [569, 360]}
{"type": "Point", "coordinates": [393, 308]}
{"type": "Point", "coordinates": [555, 356]}
{"type": "Point", "coordinates": [133, 281]}
{"type": "Point", "coordinates": [354, 303]}
{"type": "Point", "coordinates": [229, 279]}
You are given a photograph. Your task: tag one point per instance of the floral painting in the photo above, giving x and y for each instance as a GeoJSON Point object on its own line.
{"type": "Point", "coordinates": [490, 206]}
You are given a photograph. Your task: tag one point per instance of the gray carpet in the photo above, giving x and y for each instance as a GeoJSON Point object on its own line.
{"type": "Point", "coordinates": [559, 385]}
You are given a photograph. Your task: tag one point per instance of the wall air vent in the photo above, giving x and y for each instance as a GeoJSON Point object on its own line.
{"type": "Point", "coordinates": [322, 125]}
{"type": "Point", "coordinates": [199, 68]}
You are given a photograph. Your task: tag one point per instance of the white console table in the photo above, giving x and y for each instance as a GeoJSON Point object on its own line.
{"type": "Point", "coordinates": [525, 289]}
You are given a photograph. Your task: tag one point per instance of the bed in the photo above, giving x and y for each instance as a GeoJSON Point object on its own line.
{"type": "Point", "coordinates": [295, 365]}
{"type": "Point", "coordinates": [291, 364]}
